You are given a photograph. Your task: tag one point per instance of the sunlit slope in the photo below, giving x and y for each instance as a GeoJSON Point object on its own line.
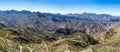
{"type": "Point", "coordinates": [111, 36]}
{"type": "Point", "coordinates": [27, 40]}
{"type": "Point", "coordinates": [109, 40]}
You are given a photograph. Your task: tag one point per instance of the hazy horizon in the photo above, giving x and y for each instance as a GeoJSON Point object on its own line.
{"type": "Point", "coordinates": [61, 13]}
{"type": "Point", "coordinates": [64, 6]}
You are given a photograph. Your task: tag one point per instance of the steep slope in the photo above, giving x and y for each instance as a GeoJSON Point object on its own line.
{"type": "Point", "coordinates": [110, 36]}
{"type": "Point", "coordinates": [4, 24]}
{"type": "Point", "coordinates": [27, 40]}
{"type": "Point", "coordinates": [14, 39]}
{"type": "Point", "coordinates": [109, 40]}
{"type": "Point", "coordinates": [74, 43]}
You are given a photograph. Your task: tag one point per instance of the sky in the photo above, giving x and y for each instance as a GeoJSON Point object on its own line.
{"type": "Point", "coordinates": [64, 6]}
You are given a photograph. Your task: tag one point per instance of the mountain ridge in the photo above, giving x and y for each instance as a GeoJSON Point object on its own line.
{"type": "Point", "coordinates": [25, 31]}
{"type": "Point", "coordinates": [51, 22]}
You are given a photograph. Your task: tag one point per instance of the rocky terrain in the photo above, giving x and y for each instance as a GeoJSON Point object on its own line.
{"type": "Point", "coordinates": [25, 31]}
{"type": "Point", "coordinates": [48, 22]}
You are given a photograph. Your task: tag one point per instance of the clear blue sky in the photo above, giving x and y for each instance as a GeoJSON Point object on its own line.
{"type": "Point", "coordinates": [64, 6]}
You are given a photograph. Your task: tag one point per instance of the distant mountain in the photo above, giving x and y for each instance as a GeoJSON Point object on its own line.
{"type": "Point", "coordinates": [4, 24]}
{"type": "Point", "coordinates": [87, 22]}
{"type": "Point", "coordinates": [103, 19]}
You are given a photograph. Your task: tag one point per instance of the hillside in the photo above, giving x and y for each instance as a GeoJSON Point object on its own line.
{"type": "Point", "coordinates": [110, 36]}
{"type": "Point", "coordinates": [29, 40]}
{"type": "Point", "coordinates": [26, 40]}
{"type": "Point", "coordinates": [109, 40]}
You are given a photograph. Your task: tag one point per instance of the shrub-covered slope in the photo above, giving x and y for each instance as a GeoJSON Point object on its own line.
{"type": "Point", "coordinates": [26, 40]}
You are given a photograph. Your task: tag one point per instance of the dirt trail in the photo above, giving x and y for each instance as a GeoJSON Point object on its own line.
{"type": "Point", "coordinates": [30, 49]}
{"type": "Point", "coordinates": [20, 48]}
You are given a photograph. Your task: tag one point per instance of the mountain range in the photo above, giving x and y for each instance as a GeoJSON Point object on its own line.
{"type": "Point", "coordinates": [26, 31]}
{"type": "Point", "coordinates": [49, 22]}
